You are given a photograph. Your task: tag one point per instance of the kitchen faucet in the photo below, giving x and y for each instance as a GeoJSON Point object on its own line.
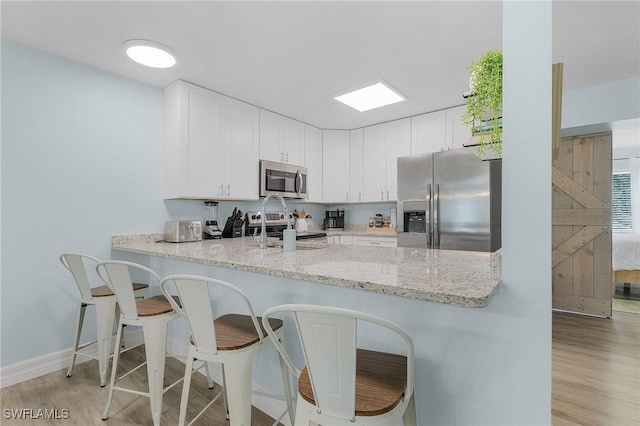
{"type": "Point", "coordinates": [263, 218]}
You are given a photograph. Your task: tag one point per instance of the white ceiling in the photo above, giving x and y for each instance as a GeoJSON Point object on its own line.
{"type": "Point", "coordinates": [294, 57]}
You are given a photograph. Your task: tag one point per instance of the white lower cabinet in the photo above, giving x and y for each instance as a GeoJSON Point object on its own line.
{"type": "Point", "coordinates": [374, 241]}
{"type": "Point", "coordinates": [211, 145]}
{"type": "Point", "coordinates": [333, 239]}
{"type": "Point", "coordinates": [358, 240]}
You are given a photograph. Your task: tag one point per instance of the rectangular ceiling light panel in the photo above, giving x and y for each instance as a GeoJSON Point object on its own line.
{"type": "Point", "coordinates": [374, 96]}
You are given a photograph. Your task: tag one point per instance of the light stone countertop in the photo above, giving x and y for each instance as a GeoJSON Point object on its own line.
{"type": "Point", "coordinates": [461, 278]}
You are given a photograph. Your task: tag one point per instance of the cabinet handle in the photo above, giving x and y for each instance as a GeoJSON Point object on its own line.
{"type": "Point", "coordinates": [282, 156]}
{"type": "Point", "coordinates": [347, 196]}
{"type": "Point", "coordinates": [359, 196]}
{"type": "Point", "coordinates": [228, 190]}
{"type": "Point", "coordinates": [220, 190]}
{"type": "Point", "coordinates": [286, 157]}
{"type": "Point", "coordinates": [387, 194]}
{"type": "Point", "coordinates": [382, 195]}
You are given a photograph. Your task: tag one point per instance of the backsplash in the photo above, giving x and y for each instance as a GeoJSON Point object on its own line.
{"type": "Point", "coordinates": [355, 214]}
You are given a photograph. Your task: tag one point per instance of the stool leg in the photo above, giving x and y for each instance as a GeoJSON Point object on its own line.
{"type": "Point", "coordinates": [239, 370]}
{"type": "Point", "coordinates": [79, 323]}
{"type": "Point", "coordinates": [224, 392]}
{"type": "Point", "coordinates": [209, 380]}
{"type": "Point", "coordinates": [114, 368]}
{"type": "Point", "coordinates": [303, 412]}
{"type": "Point", "coordinates": [410, 416]}
{"type": "Point", "coordinates": [105, 312]}
{"type": "Point", "coordinates": [155, 342]}
{"type": "Point", "coordinates": [186, 386]}
{"type": "Point", "coordinates": [285, 380]}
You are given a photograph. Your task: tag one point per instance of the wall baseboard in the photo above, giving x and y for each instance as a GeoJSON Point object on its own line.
{"type": "Point", "coordinates": [45, 364]}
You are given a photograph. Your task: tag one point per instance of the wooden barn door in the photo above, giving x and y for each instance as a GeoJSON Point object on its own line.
{"type": "Point", "coordinates": [581, 221]}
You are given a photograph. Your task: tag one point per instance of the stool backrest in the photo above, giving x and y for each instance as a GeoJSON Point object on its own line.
{"type": "Point", "coordinates": [75, 263]}
{"type": "Point", "coordinates": [116, 274]}
{"type": "Point", "coordinates": [328, 337]}
{"type": "Point", "coordinates": [195, 296]}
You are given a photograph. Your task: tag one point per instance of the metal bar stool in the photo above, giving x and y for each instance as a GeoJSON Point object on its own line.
{"type": "Point", "coordinates": [340, 383]}
{"type": "Point", "coordinates": [105, 302]}
{"type": "Point", "coordinates": [152, 315]}
{"type": "Point", "coordinates": [232, 340]}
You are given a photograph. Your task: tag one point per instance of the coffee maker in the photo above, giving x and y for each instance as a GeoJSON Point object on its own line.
{"type": "Point", "coordinates": [334, 219]}
{"type": "Point", "coordinates": [211, 229]}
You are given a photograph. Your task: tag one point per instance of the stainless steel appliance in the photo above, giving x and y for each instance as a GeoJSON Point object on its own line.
{"type": "Point", "coordinates": [182, 231]}
{"type": "Point", "coordinates": [449, 200]}
{"type": "Point", "coordinates": [286, 180]}
{"type": "Point", "coordinates": [334, 219]}
{"type": "Point", "coordinates": [276, 223]}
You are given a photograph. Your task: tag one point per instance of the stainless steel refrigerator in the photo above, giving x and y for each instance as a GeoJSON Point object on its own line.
{"type": "Point", "coordinates": [449, 200]}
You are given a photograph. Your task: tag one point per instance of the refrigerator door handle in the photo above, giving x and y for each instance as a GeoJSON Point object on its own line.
{"type": "Point", "coordinates": [436, 224]}
{"type": "Point", "coordinates": [429, 218]}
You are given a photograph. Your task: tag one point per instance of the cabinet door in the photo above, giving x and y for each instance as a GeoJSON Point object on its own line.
{"type": "Point", "coordinates": [333, 239]}
{"type": "Point", "coordinates": [346, 239]}
{"type": "Point", "coordinates": [270, 137]}
{"type": "Point", "coordinates": [241, 150]}
{"type": "Point", "coordinates": [375, 241]}
{"type": "Point", "coordinates": [373, 168]}
{"type": "Point", "coordinates": [335, 162]}
{"type": "Point", "coordinates": [458, 133]}
{"type": "Point", "coordinates": [356, 158]}
{"type": "Point", "coordinates": [191, 142]}
{"type": "Point", "coordinates": [313, 162]}
{"type": "Point", "coordinates": [292, 141]}
{"type": "Point", "coordinates": [398, 144]}
{"type": "Point", "coordinates": [428, 132]}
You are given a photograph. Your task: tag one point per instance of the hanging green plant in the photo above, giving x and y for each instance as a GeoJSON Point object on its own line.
{"type": "Point", "coordinates": [484, 103]}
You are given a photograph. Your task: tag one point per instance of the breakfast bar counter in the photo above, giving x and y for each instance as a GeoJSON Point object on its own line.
{"type": "Point", "coordinates": [461, 278]}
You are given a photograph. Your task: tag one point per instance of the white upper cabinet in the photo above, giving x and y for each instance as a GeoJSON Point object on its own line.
{"type": "Point", "coordinates": [458, 133]}
{"type": "Point", "coordinates": [439, 130]}
{"type": "Point", "coordinates": [207, 136]}
{"type": "Point", "coordinates": [428, 132]}
{"type": "Point", "coordinates": [240, 150]}
{"type": "Point", "coordinates": [313, 162]}
{"type": "Point", "coordinates": [281, 139]}
{"type": "Point", "coordinates": [335, 161]}
{"type": "Point", "coordinates": [373, 170]}
{"type": "Point", "coordinates": [398, 145]}
{"type": "Point", "coordinates": [383, 144]}
{"type": "Point", "coordinates": [356, 160]}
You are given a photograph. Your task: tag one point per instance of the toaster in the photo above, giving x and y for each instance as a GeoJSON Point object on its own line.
{"type": "Point", "coordinates": [182, 231]}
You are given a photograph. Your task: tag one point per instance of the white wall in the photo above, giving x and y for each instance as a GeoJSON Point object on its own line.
{"type": "Point", "coordinates": [81, 161]}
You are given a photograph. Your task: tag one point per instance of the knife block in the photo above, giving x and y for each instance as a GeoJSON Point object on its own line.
{"type": "Point", "coordinates": [229, 231]}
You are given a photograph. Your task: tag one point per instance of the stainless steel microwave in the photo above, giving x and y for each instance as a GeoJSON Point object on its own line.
{"type": "Point", "coordinates": [287, 180]}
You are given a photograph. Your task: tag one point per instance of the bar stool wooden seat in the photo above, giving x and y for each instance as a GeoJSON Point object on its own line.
{"type": "Point", "coordinates": [105, 303]}
{"type": "Point", "coordinates": [341, 384]}
{"type": "Point", "coordinates": [152, 314]}
{"type": "Point", "coordinates": [232, 340]}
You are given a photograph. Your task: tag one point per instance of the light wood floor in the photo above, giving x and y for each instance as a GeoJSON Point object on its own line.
{"type": "Point", "coordinates": [596, 370]}
{"type": "Point", "coordinates": [596, 381]}
{"type": "Point", "coordinates": [85, 399]}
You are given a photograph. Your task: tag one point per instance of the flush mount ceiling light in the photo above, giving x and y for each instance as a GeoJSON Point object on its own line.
{"type": "Point", "coordinates": [370, 97]}
{"type": "Point", "coordinates": [149, 53]}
